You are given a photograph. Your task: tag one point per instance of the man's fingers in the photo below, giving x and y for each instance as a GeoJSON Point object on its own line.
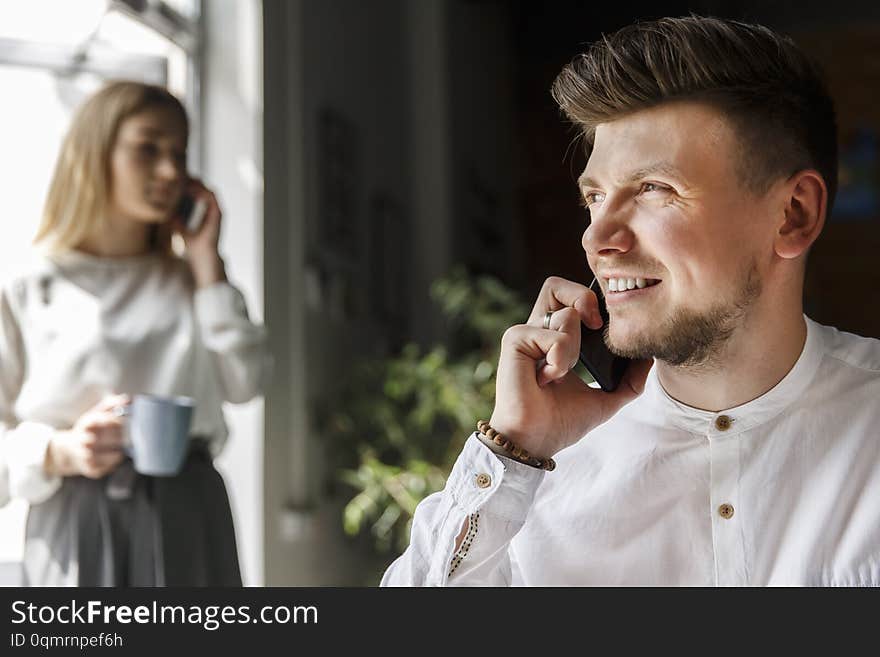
{"type": "Point", "coordinates": [558, 293]}
{"type": "Point", "coordinates": [564, 353]}
{"type": "Point", "coordinates": [547, 351]}
{"type": "Point", "coordinates": [567, 320]}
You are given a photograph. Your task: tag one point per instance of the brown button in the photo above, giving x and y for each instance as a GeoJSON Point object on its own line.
{"type": "Point", "coordinates": [723, 422]}
{"type": "Point", "coordinates": [725, 511]}
{"type": "Point", "coordinates": [483, 480]}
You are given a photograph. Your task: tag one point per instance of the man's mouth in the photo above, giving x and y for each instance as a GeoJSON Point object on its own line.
{"type": "Point", "coordinates": [623, 284]}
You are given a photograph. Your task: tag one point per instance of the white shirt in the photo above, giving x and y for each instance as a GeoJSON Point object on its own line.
{"type": "Point", "coordinates": [75, 328]}
{"type": "Point", "coordinates": [638, 501]}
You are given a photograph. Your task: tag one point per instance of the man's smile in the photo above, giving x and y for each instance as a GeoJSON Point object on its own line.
{"type": "Point", "coordinates": [621, 286]}
{"type": "Point", "coordinates": [623, 283]}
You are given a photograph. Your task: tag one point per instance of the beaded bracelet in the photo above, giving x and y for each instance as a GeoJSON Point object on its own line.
{"type": "Point", "coordinates": [514, 451]}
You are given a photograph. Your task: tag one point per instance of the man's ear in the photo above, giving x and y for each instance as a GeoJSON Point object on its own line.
{"type": "Point", "coordinates": [805, 205]}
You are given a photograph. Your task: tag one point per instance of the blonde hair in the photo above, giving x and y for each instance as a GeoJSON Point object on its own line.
{"type": "Point", "coordinates": [76, 204]}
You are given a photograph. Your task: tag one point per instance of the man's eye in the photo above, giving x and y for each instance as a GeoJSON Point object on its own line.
{"type": "Point", "coordinates": [592, 197]}
{"type": "Point", "coordinates": [654, 187]}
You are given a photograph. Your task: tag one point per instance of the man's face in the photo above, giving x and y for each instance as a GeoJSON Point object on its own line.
{"type": "Point", "coordinates": [670, 212]}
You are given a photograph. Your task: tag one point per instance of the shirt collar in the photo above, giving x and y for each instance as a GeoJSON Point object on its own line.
{"type": "Point", "coordinates": [746, 416]}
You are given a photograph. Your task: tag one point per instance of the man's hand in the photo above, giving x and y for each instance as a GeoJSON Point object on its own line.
{"type": "Point", "coordinates": [93, 447]}
{"type": "Point", "coordinates": [540, 404]}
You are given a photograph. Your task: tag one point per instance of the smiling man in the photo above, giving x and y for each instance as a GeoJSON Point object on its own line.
{"type": "Point", "coordinates": [742, 446]}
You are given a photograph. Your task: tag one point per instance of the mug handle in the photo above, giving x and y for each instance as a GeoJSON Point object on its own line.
{"type": "Point", "coordinates": [124, 412]}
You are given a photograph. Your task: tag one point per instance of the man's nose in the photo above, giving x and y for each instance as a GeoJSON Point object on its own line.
{"type": "Point", "coordinates": [609, 233]}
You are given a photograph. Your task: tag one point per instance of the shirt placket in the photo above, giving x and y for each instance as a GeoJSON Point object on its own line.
{"type": "Point", "coordinates": [724, 502]}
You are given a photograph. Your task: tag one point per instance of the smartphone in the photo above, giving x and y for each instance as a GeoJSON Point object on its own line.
{"type": "Point", "coordinates": [193, 212]}
{"type": "Point", "coordinates": [606, 368]}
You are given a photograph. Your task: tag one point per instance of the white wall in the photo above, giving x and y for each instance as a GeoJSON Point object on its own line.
{"type": "Point", "coordinates": [232, 159]}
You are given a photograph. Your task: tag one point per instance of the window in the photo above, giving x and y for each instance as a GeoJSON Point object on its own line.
{"type": "Point", "coordinates": [54, 53]}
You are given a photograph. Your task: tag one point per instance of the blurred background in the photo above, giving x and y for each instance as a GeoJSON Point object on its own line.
{"type": "Point", "coordinates": [396, 184]}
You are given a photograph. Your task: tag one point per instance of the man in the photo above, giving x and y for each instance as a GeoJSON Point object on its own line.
{"type": "Point", "coordinates": [743, 445]}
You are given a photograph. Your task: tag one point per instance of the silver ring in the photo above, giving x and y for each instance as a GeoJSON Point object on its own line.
{"type": "Point", "coordinates": [547, 317]}
{"type": "Point", "coordinates": [121, 411]}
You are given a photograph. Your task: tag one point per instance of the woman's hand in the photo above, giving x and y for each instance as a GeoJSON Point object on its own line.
{"type": "Point", "coordinates": [93, 447]}
{"type": "Point", "coordinates": [540, 404]}
{"type": "Point", "coordinates": [201, 244]}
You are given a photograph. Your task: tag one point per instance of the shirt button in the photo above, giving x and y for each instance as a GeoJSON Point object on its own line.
{"type": "Point", "coordinates": [483, 480]}
{"type": "Point", "coordinates": [725, 511]}
{"type": "Point", "coordinates": [723, 422]}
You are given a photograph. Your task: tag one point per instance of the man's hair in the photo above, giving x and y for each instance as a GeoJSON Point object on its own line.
{"type": "Point", "coordinates": [773, 95]}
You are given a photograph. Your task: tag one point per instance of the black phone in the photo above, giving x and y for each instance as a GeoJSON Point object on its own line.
{"type": "Point", "coordinates": [185, 207]}
{"type": "Point", "coordinates": [192, 211]}
{"type": "Point", "coordinates": [605, 367]}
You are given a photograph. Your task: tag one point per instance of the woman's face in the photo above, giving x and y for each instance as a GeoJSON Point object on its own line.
{"type": "Point", "coordinates": [148, 166]}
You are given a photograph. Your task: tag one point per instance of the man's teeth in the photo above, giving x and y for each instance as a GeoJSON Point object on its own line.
{"type": "Point", "coordinates": [623, 284]}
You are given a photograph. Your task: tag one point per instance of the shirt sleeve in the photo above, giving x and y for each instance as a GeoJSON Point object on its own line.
{"type": "Point", "coordinates": [22, 445]}
{"type": "Point", "coordinates": [237, 345]}
{"type": "Point", "coordinates": [493, 495]}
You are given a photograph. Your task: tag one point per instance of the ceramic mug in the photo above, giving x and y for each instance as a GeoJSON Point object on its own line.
{"type": "Point", "coordinates": [157, 433]}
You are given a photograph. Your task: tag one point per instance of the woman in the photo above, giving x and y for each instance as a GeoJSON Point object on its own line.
{"type": "Point", "coordinates": [106, 311]}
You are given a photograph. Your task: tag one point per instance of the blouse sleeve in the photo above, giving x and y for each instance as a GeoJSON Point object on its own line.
{"type": "Point", "coordinates": [237, 345]}
{"type": "Point", "coordinates": [22, 444]}
{"type": "Point", "coordinates": [4, 477]}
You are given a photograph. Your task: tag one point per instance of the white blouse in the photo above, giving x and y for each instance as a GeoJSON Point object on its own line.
{"type": "Point", "coordinates": [75, 328]}
{"type": "Point", "coordinates": [782, 490]}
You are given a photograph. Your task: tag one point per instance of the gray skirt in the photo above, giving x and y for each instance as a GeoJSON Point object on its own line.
{"type": "Point", "coordinates": [129, 529]}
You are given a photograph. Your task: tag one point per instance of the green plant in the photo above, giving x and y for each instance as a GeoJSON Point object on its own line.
{"type": "Point", "coordinates": [405, 433]}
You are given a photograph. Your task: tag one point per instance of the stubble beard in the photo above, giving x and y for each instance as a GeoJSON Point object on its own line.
{"type": "Point", "coordinates": [691, 338]}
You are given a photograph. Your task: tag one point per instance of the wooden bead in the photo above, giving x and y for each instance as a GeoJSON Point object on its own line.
{"type": "Point", "coordinates": [518, 453]}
